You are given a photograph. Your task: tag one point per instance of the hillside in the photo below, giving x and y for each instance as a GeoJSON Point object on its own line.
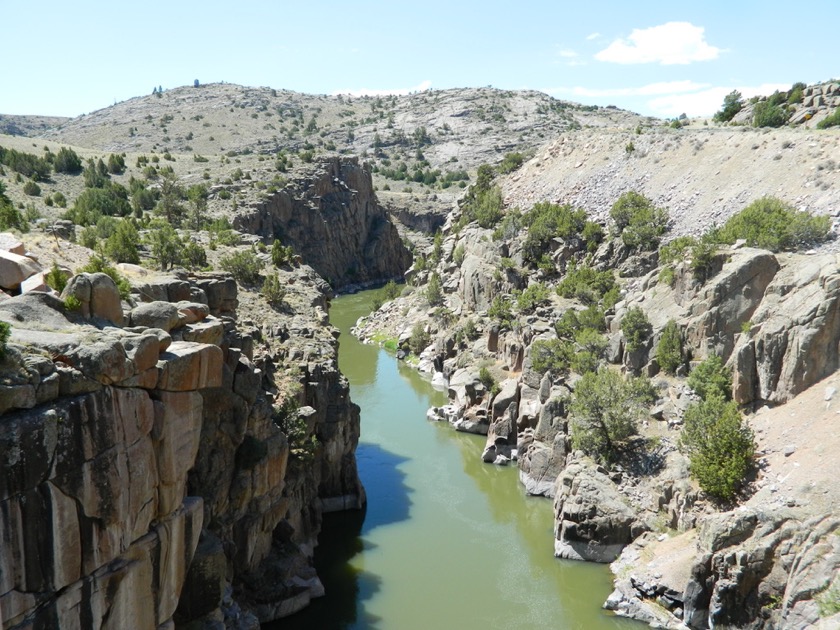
{"type": "Point", "coordinates": [450, 132]}
{"type": "Point", "coordinates": [515, 306]}
{"type": "Point", "coordinates": [702, 174]}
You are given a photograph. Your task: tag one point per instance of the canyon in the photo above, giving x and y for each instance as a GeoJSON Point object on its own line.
{"type": "Point", "coordinates": [180, 443]}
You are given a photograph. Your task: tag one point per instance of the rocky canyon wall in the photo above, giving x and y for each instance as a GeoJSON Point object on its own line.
{"type": "Point", "coordinates": [333, 220]}
{"type": "Point", "coordinates": [148, 478]}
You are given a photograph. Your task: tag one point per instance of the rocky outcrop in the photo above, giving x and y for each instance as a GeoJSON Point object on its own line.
{"type": "Point", "coordinates": [786, 349]}
{"type": "Point", "coordinates": [132, 451]}
{"type": "Point", "coordinates": [335, 223]}
{"type": "Point", "coordinates": [593, 520]}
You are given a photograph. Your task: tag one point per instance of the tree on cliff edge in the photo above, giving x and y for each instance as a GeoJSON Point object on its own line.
{"type": "Point", "coordinates": [606, 410]}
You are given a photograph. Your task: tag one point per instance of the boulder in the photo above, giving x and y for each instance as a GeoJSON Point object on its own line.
{"type": "Point", "coordinates": [98, 296]}
{"type": "Point", "coordinates": [35, 283]}
{"type": "Point", "coordinates": [592, 519]}
{"type": "Point", "coordinates": [15, 268]}
{"type": "Point", "coordinates": [541, 462]}
{"type": "Point", "coordinates": [105, 300]}
{"type": "Point", "coordinates": [157, 314]}
{"type": "Point", "coordinates": [10, 243]}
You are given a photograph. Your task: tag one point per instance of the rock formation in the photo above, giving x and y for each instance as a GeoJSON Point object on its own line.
{"type": "Point", "coordinates": [335, 224]}
{"type": "Point", "coordinates": [146, 472]}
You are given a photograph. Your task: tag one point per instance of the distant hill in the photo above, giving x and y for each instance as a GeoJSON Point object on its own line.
{"type": "Point", "coordinates": [471, 125]}
{"type": "Point", "coordinates": [11, 125]}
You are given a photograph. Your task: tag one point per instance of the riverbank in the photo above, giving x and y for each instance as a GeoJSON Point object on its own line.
{"type": "Point", "coordinates": [447, 541]}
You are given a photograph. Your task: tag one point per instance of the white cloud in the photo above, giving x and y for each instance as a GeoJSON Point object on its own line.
{"type": "Point", "coordinates": [706, 102]}
{"type": "Point", "coordinates": [567, 53]}
{"type": "Point", "coordinates": [592, 36]}
{"type": "Point", "coordinates": [668, 44]}
{"type": "Point", "coordinates": [422, 87]}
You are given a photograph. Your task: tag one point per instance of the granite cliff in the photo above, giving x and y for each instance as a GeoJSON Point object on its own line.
{"type": "Point", "coordinates": [169, 457]}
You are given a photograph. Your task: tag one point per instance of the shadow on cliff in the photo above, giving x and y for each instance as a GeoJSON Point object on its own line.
{"type": "Point", "coordinates": [341, 539]}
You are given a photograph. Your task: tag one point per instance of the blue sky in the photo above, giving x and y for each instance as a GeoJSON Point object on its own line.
{"type": "Point", "coordinates": [655, 58]}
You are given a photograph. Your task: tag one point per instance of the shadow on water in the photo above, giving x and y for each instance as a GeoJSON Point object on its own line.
{"type": "Point", "coordinates": [388, 494]}
{"type": "Point", "coordinates": [341, 539]}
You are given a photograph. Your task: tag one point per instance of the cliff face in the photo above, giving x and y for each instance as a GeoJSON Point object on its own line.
{"type": "Point", "coordinates": [336, 225]}
{"type": "Point", "coordinates": [148, 474]}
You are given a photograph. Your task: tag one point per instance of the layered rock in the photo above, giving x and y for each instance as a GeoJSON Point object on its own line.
{"type": "Point", "coordinates": [336, 225]}
{"type": "Point", "coordinates": [131, 451]}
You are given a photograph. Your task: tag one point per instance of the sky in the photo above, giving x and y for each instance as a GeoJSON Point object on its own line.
{"type": "Point", "coordinates": [655, 58]}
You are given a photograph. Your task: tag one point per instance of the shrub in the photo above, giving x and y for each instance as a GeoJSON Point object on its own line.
{"type": "Point", "coordinates": [59, 199]}
{"type": "Point", "coordinates": [533, 296]}
{"type": "Point", "coordinates": [586, 284]}
{"type": "Point", "coordinates": [488, 381]}
{"type": "Point", "coordinates": [72, 303]}
{"type": "Point", "coordinates": [511, 162]}
{"type": "Point", "coordinates": [483, 201]}
{"type": "Point", "coordinates": [5, 333]}
{"type": "Point", "coordinates": [434, 293]}
{"type": "Point", "coordinates": [466, 331]}
{"type": "Point", "coordinates": [280, 254]}
{"type": "Point", "coordinates": [391, 290]}
{"type": "Point", "coordinates": [193, 255]}
{"type": "Point", "coordinates": [592, 345]}
{"type": "Point", "coordinates": [636, 329]}
{"type": "Point", "coordinates": [510, 225]}
{"type": "Point", "coordinates": [165, 244]}
{"type": "Point", "coordinates": [31, 188]}
{"type": "Point", "coordinates": [25, 164]}
{"type": "Point", "coordinates": [286, 416]}
{"type": "Point", "coordinates": [719, 444]}
{"type": "Point", "coordinates": [244, 266]}
{"type": "Point", "coordinates": [272, 290]}
{"type": "Point", "coordinates": [10, 217]}
{"type": "Point", "coordinates": [732, 104]}
{"type": "Point", "coordinates": [55, 278]}
{"type": "Point", "coordinates": [116, 164]}
{"type": "Point", "coordinates": [95, 203]}
{"type": "Point", "coordinates": [419, 339]}
{"type": "Point", "coordinates": [551, 355]}
{"type": "Point", "coordinates": [711, 378]}
{"type": "Point", "coordinates": [121, 246]}
{"type": "Point", "coordinates": [501, 312]}
{"type": "Point", "coordinates": [197, 194]}
{"type": "Point", "coordinates": [458, 255]}
{"type": "Point", "coordinates": [639, 222]}
{"type": "Point", "coordinates": [666, 275]}
{"type": "Point", "coordinates": [547, 221]}
{"type": "Point", "coordinates": [605, 411]}
{"type": "Point", "coordinates": [676, 250]}
{"type": "Point", "coordinates": [67, 161]}
{"type": "Point", "coordinates": [766, 114]}
{"type": "Point", "coordinates": [773, 224]}
{"type": "Point", "coordinates": [669, 348]}
{"type": "Point", "coordinates": [831, 120]}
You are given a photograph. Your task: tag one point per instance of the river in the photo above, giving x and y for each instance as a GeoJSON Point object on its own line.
{"type": "Point", "coordinates": [447, 541]}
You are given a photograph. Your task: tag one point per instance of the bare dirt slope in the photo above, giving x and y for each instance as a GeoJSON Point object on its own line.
{"type": "Point", "coordinates": [702, 174]}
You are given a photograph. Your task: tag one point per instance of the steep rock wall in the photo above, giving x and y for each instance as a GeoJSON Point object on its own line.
{"type": "Point", "coordinates": [146, 475]}
{"type": "Point", "coordinates": [335, 223]}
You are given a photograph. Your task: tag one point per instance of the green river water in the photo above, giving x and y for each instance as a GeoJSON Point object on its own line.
{"type": "Point", "coordinates": [447, 541]}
